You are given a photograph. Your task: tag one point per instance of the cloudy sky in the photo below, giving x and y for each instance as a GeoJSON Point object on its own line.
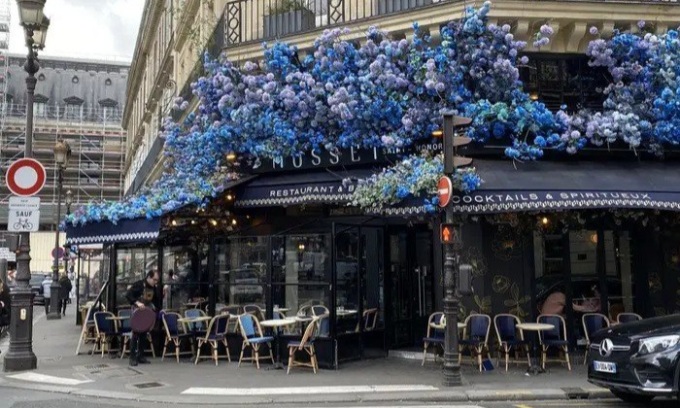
{"type": "Point", "coordinates": [95, 29]}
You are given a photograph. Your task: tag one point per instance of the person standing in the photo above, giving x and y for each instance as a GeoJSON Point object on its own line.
{"type": "Point", "coordinates": [5, 307]}
{"type": "Point", "coordinates": [65, 287]}
{"type": "Point", "coordinates": [46, 285]}
{"type": "Point", "coordinates": [141, 295]}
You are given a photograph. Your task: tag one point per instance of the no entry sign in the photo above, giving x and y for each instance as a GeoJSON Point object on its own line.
{"type": "Point", "coordinates": [444, 190]}
{"type": "Point", "coordinates": [25, 177]}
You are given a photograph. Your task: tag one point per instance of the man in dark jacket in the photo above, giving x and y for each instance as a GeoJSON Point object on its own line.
{"type": "Point", "coordinates": [5, 306]}
{"type": "Point", "coordinates": [64, 292]}
{"type": "Point", "coordinates": [141, 295]}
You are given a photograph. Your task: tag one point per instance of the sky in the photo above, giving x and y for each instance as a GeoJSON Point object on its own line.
{"type": "Point", "coordinates": [91, 29]}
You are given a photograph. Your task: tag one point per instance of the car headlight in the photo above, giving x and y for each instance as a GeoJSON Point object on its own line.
{"type": "Point", "coordinates": [657, 344]}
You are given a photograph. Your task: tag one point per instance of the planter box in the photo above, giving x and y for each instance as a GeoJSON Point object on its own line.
{"type": "Point", "coordinates": [290, 22]}
{"type": "Point", "coordinates": [381, 7]}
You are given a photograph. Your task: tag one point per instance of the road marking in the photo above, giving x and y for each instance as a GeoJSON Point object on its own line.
{"type": "Point", "coordinates": [306, 390]}
{"type": "Point", "coordinates": [522, 406]}
{"type": "Point", "coordinates": [47, 379]}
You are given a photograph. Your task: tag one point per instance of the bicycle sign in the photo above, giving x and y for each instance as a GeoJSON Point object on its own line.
{"type": "Point", "coordinates": [24, 214]}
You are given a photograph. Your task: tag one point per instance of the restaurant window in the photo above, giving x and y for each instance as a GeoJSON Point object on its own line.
{"type": "Point", "coordinates": [132, 265]}
{"type": "Point", "coordinates": [301, 268]}
{"type": "Point", "coordinates": [242, 271]}
{"type": "Point", "coordinates": [185, 277]}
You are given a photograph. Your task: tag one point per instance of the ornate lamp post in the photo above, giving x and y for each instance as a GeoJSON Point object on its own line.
{"type": "Point", "coordinates": [20, 355]}
{"type": "Point", "coordinates": [67, 251]}
{"type": "Point", "coordinates": [62, 153]}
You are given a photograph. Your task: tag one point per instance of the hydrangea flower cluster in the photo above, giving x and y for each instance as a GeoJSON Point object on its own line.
{"type": "Point", "coordinates": [391, 93]}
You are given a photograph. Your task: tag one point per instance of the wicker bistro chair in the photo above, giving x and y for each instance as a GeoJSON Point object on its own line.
{"type": "Point", "coordinates": [509, 337]}
{"type": "Point", "coordinates": [198, 328]}
{"type": "Point", "coordinates": [369, 318]}
{"type": "Point", "coordinates": [105, 331]}
{"type": "Point", "coordinates": [626, 317]}
{"type": "Point", "coordinates": [254, 310]}
{"type": "Point", "coordinates": [216, 333]}
{"type": "Point", "coordinates": [557, 337]}
{"type": "Point", "coordinates": [126, 333]}
{"type": "Point", "coordinates": [253, 339]}
{"type": "Point", "coordinates": [306, 344]}
{"type": "Point", "coordinates": [592, 322]}
{"type": "Point", "coordinates": [479, 326]}
{"type": "Point", "coordinates": [433, 335]}
{"type": "Point", "coordinates": [175, 335]}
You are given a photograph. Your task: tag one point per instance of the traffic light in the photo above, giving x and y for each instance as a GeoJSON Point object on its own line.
{"type": "Point", "coordinates": [453, 125]}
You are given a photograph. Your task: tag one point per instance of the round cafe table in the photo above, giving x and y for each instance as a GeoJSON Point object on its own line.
{"type": "Point", "coordinates": [276, 324]}
{"type": "Point", "coordinates": [536, 328]}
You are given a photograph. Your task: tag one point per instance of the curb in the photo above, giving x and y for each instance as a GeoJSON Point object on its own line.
{"type": "Point", "coordinates": [432, 396]}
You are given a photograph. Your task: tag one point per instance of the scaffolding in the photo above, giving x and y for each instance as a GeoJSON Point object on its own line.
{"type": "Point", "coordinates": [5, 18]}
{"type": "Point", "coordinates": [95, 171]}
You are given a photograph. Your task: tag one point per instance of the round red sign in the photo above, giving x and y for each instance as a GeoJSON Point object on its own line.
{"type": "Point", "coordinates": [444, 190]}
{"type": "Point", "coordinates": [25, 177]}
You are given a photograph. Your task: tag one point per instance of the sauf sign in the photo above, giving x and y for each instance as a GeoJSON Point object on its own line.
{"type": "Point", "coordinates": [24, 214]}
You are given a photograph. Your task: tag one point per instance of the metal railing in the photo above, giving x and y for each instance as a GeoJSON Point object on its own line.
{"type": "Point", "coordinates": [259, 20]}
{"type": "Point", "coordinates": [247, 21]}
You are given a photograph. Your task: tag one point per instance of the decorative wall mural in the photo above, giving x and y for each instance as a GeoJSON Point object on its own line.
{"type": "Point", "coordinates": [500, 284]}
{"type": "Point", "coordinates": [505, 244]}
{"type": "Point", "coordinates": [516, 302]}
{"type": "Point", "coordinates": [654, 283]}
{"type": "Point", "coordinates": [483, 304]}
{"type": "Point", "coordinates": [473, 256]}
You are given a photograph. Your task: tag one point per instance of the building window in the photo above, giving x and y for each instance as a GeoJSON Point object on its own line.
{"type": "Point", "coordinates": [74, 112]}
{"type": "Point", "coordinates": [40, 109]}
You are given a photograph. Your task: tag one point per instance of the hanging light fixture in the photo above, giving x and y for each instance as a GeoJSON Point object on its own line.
{"type": "Point", "coordinates": [231, 156]}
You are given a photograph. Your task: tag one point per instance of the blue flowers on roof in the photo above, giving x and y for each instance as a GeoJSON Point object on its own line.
{"type": "Point", "coordinates": [390, 93]}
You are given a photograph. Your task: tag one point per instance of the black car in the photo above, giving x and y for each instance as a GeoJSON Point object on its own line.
{"type": "Point", "coordinates": [36, 287]}
{"type": "Point", "coordinates": [637, 361]}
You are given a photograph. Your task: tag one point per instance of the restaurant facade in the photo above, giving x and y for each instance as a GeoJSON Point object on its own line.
{"type": "Point", "coordinates": [603, 230]}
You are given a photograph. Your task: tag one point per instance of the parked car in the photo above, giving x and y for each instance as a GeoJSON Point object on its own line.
{"type": "Point", "coordinates": [637, 361]}
{"type": "Point", "coordinates": [36, 287]}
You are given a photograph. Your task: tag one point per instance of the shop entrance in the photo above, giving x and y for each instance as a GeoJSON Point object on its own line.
{"type": "Point", "coordinates": [411, 286]}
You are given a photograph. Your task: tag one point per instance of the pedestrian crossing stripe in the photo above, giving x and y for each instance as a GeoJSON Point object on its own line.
{"type": "Point", "coordinates": [339, 389]}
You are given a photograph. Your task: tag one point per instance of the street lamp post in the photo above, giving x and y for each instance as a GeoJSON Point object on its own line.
{"type": "Point", "coordinates": [62, 153]}
{"type": "Point", "coordinates": [68, 200]}
{"type": "Point", "coordinates": [20, 355]}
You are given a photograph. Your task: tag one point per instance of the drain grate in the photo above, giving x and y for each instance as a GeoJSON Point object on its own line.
{"type": "Point", "coordinates": [147, 385]}
{"type": "Point", "coordinates": [575, 393]}
{"type": "Point", "coordinates": [96, 366]}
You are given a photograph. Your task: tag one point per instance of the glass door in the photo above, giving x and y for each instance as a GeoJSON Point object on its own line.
{"type": "Point", "coordinates": [411, 285]}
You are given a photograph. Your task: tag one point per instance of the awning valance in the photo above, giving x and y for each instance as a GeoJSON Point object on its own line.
{"type": "Point", "coordinates": [301, 188]}
{"type": "Point", "coordinates": [105, 232]}
{"type": "Point", "coordinates": [545, 185]}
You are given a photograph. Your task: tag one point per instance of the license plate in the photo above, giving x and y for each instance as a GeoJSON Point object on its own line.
{"type": "Point", "coordinates": [604, 367]}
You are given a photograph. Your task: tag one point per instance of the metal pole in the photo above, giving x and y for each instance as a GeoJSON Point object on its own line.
{"type": "Point", "coordinates": [79, 319]}
{"type": "Point", "coordinates": [20, 355]}
{"type": "Point", "coordinates": [451, 300]}
{"type": "Point", "coordinates": [55, 287]}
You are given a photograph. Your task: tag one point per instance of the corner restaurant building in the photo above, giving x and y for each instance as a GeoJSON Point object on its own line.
{"type": "Point", "coordinates": [285, 237]}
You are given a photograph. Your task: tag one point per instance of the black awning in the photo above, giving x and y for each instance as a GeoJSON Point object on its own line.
{"type": "Point", "coordinates": [105, 232]}
{"type": "Point", "coordinates": [545, 185]}
{"type": "Point", "coordinates": [325, 187]}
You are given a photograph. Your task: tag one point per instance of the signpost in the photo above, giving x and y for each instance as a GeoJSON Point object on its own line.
{"type": "Point", "coordinates": [444, 191]}
{"type": "Point", "coordinates": [25, 177]}
{"type": "Point", "coordinates": [24, 214]}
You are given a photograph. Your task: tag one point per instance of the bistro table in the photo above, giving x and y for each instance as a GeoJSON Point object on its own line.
{"type": "Point", "coordinates": [535, 368]}
{"type": "Point", "coordinates": [118, 320]}
{"type": "Point", "coordinates": [277, 324]}
{"type": "Point", "coordinates": [192, 322]}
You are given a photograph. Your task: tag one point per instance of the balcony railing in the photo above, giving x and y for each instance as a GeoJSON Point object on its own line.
{"type": "Point", "coordinates": [261, 20]}
{"type": "Point", "coordinates": [251, 21]}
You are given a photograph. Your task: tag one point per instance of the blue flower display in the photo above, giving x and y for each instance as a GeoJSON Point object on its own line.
{"type": "Point", "coordinates": [391, 93]}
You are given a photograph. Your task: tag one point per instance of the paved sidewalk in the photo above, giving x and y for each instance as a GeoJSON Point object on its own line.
{"type": "Point", "coordinates": [390, 379]}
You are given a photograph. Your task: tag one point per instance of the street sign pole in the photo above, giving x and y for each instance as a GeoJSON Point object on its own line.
{"type": "Point", "coordinates": [452, 246]}
{"type": "Point", "coordinates": [20, 355]}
